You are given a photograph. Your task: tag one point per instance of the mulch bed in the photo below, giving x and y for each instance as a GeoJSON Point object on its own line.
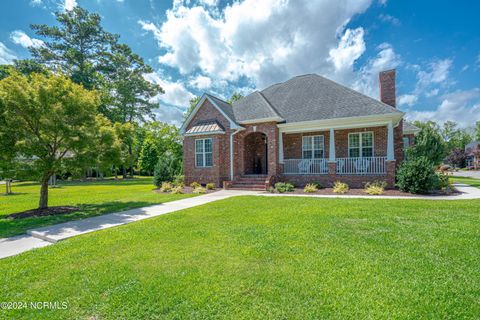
{"type": "Point", "coordinates": [50, 211]}
{"type": "Point", "coordinates": [186, 190]}
{"type": "Point", "coordinates": [361, 192]}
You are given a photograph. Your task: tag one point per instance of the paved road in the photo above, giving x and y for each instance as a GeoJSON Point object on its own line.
{"type": "Point", "coordinates": [470, 174]}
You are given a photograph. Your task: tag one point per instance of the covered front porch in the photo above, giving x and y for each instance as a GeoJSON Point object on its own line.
{"type": "Point", "coordinates": [351, 154]}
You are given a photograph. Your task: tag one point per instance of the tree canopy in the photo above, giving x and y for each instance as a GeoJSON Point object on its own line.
{"type": "Point", "coordinates": [50, 121]}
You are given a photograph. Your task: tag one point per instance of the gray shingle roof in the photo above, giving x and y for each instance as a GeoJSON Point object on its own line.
{"type": "Point", "coordinates": [225, 106]}
{"type": "Point", "coordinates": [206, 126]}
{"type": "Point", "coordinates": [254, 106]}
{"type": "Point", "coordinates": [409, 127]}
{"type": "Point", "coordinates": [312, 97]}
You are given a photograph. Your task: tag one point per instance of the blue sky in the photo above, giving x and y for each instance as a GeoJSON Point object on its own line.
{"type": "Point", "coordinates": [224, 46]}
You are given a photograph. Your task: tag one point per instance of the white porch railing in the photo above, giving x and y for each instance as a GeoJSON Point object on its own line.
{"type": "Point", "coordinates": [305, 166]}
{"type": "Point", "coordinates": [361, 166]}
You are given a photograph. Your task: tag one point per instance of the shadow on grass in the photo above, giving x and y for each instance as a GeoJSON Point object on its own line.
{"type": "Point", "coordinates": [12, 194]}
{"type": "Point", "coordinates": [12, 227]}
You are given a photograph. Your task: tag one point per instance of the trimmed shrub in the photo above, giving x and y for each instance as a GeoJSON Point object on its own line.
{"type": "Point", "coordinates": [166, 187]}
{"type": "Point", "coordinates": [340, 187]}
{"type": "Point", "coordinates": [310, 188]}
{"type": "Point", "coordinates": [375, 187]}
{"type": "Point", "coordinates": [195, 185]}
{"type": "Point", "coordinates": [271, 189]}
{"type": "Point", "coordinates": [417, 176]}
{"type": "Point", "coordinates": [284, 187]}
{"type": "Point", "coordinates": [179, 180]}
{"type": "Point", "coordinates": [166, 169]}
{"type": "Point", "coordinates": [210, 186]}
{"type": "Point", "coordinates": [444, 181]}
{"type": "Point", "coordinates": [177, 190]}
{"type": "Point", "coordinates": [199, 190]}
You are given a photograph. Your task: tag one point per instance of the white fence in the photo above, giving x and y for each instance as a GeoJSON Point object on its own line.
{"type": "Point", "coordinates": [305, 166]}
{"type": "Point", "coordinates": [361, 166]}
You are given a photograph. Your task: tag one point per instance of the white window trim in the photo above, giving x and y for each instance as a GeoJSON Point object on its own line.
{"type": "Point", "coordinates": [312, 144]}
{"type": "Point", "coordinates": [203, 153]}
{"type": "Point", "coordinates": [360, 147]}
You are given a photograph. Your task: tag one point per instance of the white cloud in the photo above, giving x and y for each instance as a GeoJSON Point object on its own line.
{"type": "Point", "coordinates": [6, 55]}
{"type": "Point", "coordinates": [35, 3]}
{"type": "Point", "coordinates": [21, 38]}
{"type": "Point", "coordinates": [389, 19]}
{"type": "Point", "coordinates": [437, 74]}
{"type": "Point", "coordinates": [209, 2]}
{"type": "Point", "coordinates": [432, 93]}
{"type": "Point", "coordinates": [68, 5]}
{"type": "Point", "coordinates": [175, 92]}
{"type": "Point", "coordinates": [461, 106]}
{"type": "Point", "coordinates": [201, 82]}
{"type": "Point", "coordinates": [261, 41]}
{"type": "Point", "coordinates": [367, 81]}
{"type": "Point", "coordinates": [382, 2]}
{"type": "Point", "coordinates": [407, 99]}
{"type": "Point", "coordinates": [350, 47]}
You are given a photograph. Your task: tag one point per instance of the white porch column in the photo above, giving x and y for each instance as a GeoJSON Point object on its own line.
{"type": "Point", "coordinates": [280, 146]}
{"type": "Point", "coordinates": [331, 147]}
{"type": "Point", "coordinates": [390, 143]}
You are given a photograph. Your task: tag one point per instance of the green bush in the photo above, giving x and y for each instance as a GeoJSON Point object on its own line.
{"type": "Point", "coordinates": [166, 187]}
{"type": "Point", "coordinates": [444, 181]}
{"type": "Point", "coordinates": [271, 189]}
{"type": "Point", "coordinates": [375, 187]}
{"type": "Point", "coordinates": [417, 176]}
{"type": "Point", "coordinates": [310, 188]}
{"type": "Point", "coordinates": [210, 186]}
{"type": "Point", "coordinates": [284, 187]}
{"type": "Point", "coordinates": [195, 185]}
{"type": "Point", "coordinates": [166, 169]}
{"type": "Point", "coordinates": [179, 180]}
{"type": "Point", "coordinates": [177, 190]}
{"type": "Point", "coordinates": [340, 187]}
{"type": "Point", "coordinates": [199, 190]}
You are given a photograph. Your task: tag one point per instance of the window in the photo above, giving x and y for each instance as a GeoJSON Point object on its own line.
{"type": "Point", "coordinates": [203, 153]}
{"type": "Point", "coordinates": [360, 144]}
{"type": "Point", "coordinates": [312, 147]}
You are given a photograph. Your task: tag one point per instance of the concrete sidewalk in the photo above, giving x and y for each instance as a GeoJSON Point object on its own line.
{"type": "Point", "coordinates": [45, 236]}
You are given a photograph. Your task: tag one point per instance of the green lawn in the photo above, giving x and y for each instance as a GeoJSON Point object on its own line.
{"type": "Point", "coordinates": [94, 198]}
{"type": "Point", "coordinates": [471, 181]}
{"type": "Point", "coordinates": [264, 258]}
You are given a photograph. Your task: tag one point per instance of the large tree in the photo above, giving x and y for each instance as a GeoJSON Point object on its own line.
{"type": "Point", "coordinates": [131, 94]}
{"type": "Point", "coordinates": [52, 120]}
{"type": "Point", "coordinates": [455, 137]}
{"type": "Point", "coordinates": [76, 46]}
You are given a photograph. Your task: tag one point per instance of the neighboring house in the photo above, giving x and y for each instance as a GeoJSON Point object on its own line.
{"type": "Point", "coordinates": [472, 153]}
{"type": "Point", "coordinates": [307, 129]}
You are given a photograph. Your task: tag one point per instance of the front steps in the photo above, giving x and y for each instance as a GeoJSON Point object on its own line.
{"type": "Point", "coordinates": [249, 182]}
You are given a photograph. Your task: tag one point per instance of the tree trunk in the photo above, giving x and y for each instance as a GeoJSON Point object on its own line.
{"type": "Point", "coordinates": [43, 203]}
{"type": "Point", "coordinates": [124, 172]}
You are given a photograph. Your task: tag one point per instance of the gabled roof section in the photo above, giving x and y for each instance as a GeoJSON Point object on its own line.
{"type": "Point", "coordinates": [222, 106]}
{"type": "Point", "coordinates": [312, 97]}
{"type": "Point", "coordinates": [255, 108]}
{"type": "Point", "coordinates": [409, 128]}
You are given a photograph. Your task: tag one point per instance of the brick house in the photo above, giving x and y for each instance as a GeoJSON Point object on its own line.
{"type": "Point", "coordinates": [307, 129]}
{"type": "Point", "coordinates": [472, 153]}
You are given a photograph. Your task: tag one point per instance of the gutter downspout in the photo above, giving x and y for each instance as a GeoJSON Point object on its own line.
{"type": "Point", "coordinates": [231, 152]}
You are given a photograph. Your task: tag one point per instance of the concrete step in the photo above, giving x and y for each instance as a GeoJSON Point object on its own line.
{"type": "Point", "coordinates": [247, 188]}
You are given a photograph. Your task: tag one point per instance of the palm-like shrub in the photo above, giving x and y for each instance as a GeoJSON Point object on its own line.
{"type": "Point", "coordinates": [340, 187]}
{"type": "Point", "coordinates": [310, 188]}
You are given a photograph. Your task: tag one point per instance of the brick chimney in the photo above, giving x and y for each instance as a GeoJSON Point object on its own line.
{"type": "Point", "coordinates": [387, 87]}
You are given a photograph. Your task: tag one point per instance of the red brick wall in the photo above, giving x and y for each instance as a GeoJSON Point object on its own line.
{"type": "Point", "coordinates": [221, 150]}
{"type": "Point", "coordinates": [270, 129]}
